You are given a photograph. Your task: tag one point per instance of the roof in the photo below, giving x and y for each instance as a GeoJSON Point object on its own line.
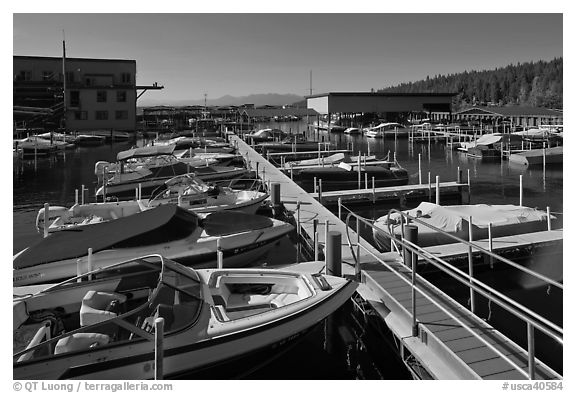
{"type": "Point", "coordinates": [510, 111]}
{"type": "Point", "coordinates": [72, 59]}
{"type": "Point", "coordinates": [271, 112]}
{"type": "Point", "coordinates": [370, 94]}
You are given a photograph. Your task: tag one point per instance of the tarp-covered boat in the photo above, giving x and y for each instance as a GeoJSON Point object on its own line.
{"type": "Point", "coordinates": [180, 234]}
{"type": "Point", "coordinates": [506, 220]}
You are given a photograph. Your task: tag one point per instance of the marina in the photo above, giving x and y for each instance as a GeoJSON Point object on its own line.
{"type": "Point", "coordinates": [412, 232]}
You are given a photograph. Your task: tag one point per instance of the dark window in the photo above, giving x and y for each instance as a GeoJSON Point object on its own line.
{"type": "Point", "coordinates": [80, 115]}
{"type": "Point", "coordinates": [121, 115]}
{"type": "Point", "coordinates": [74, 98]}
{"type": "Point", "coordinates": [101, 96]}
{"type": "Point", "coordinates": [88, 81]}
{"type": "Point", "coordinates": [121, 96]}
{"type": "Point", "coordinates": [24, 76]}
{"type": "Point", "coordinates": [101, 115]}
{"type": "Point", "coordinates": [126, 77]}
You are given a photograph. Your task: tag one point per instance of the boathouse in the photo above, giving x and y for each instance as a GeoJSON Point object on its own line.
{"type": "Point", "coordinates": [519, 116]}
{"type": "Point", "coordinates": [95, 93]}
{"type": "Point", "coordinates": [380, 103]}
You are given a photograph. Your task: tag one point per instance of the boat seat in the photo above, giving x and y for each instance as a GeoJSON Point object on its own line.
{"type": "Point", "coordinates": [280, 295]}
{"type": "Point", "coordinates": [80, 341]}
{"type": "Point", "coordinates": [99, 306]}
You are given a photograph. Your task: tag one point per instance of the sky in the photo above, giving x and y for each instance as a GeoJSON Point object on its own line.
{"type": "Point", "coordinates": [241, 54]}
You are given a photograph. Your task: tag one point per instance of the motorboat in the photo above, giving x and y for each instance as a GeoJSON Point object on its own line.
{"type": "Point", "coordinates": [383, 129]}
{"type": "Point", "coordinates": [186, 191]}
{"type": "Point", "coordinates": [345, 176]}
{"type": "Point", "coordinates": [506, 220]}
{"type": "Point", "coordinates": [490, 145]}
{"type": "Point", "coordinates": [102, 324]}
{"type": "Point", "coordinates": [179, 233]}
{"type": "Point", "coordinates": [353, 131]}
{"type": "Point", "coordinates": [535, 157]}
{"type": "Point", "coordinates": [89, 140]}
{"type": "Point", "coordinates": [111, 135]}
{"type": "Point", "coordinates": [293, 143]}
{"type": "Point", "coordinates": [58, 136]}
{"type": "Point", "coordinates": [148, 167]}
{"type": "Point", "coordinates": [33, 146]}
{"type": "Point", "coordinates": [331, 160]}
{"type": "Point", "coordinates": [266, 135]}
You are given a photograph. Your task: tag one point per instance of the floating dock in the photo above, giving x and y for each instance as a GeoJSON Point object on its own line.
{"type": "Point", "coordinates": [447, 340]}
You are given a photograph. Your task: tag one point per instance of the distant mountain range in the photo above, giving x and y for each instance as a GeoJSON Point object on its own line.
{"type": "Point", "coordinates": [256, 99]}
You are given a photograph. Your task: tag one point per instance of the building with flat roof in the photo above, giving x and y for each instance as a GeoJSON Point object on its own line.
{"type": "Point", "coordinates": [100, 93]}
{"type": "Point", "coordinates": [517, 115]}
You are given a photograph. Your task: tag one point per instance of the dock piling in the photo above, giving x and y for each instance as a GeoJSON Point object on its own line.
{"type": "Point", "coordinates": [419, 168]}
{"type": "Point", "coordinates": [548, 218]}
{"type": "Point", "coordinates": [469, 188]}
{"type": "Point", "coordinates": [76, 196]}
{"type": "Point", "coordinates": [82, 199]}
{"type": "Point", "coordinates": [340, 208]}
{"type": "Point", "coordinates": [521, 192]}
{"type": "Point", "coordinates": [315, 232]}
{"type": "Point", "coordinates": [320, 191]}
{"type": "Point", "coordinates": [334, 253]}
{"type": "Point", "coordinates": [46, 218]}
{"type": "Point", "coordinates": [159, 348]}
{"type": "Point", "coordinates": [275, 195]}
{"type": "Point", "coordinates": [530, 339]}
{"type": "Point", "coordinates": [471, 267]}
{"type": "Point", "coordinates": [219, 253]}
{"type": "Point", "coordinates": [438, 190]}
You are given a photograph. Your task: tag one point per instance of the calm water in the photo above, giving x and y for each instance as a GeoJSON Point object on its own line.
{"type": "Point", "coordinates": [352, 353]}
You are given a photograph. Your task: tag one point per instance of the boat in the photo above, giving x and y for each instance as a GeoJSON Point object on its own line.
{"type": "Point", "coordinates": [506, 220]}
{"type": "Point", "coordinates": [179, 233]}
{"type": "Point", "coordinates": [89, 140]}
{"type": "Point", "coordinates": [382, 129]}
{"type": "Point", "coordinates": [33, 146]}
{"type": "Point", "coordinates": [265, 135]}
{"type": "Point", "coordinates": [110, 135]}
{"type": "Point", "coordinates": [293, 143]}
{"type": "Point", "coordinates": [101, 324]}
{"type": "Point", "coordinates": [146, 168]}
{"type": "Point", "coordinates": [186, 191]}
{"type": "Point", "coordinates": [535, 157]}
{"type": "Point", "coordinates": [345, 177]}
{"type": "Point", "coordinates": [331, 160]}
{"type": "Point", "coordinates": [490, 145]}
{"type": "Point", "coordinates": [58, 136]}
{"type": "Point", "coordinates": [353, 131]}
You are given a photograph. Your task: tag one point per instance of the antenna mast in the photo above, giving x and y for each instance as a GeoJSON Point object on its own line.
{"type": "Point", "coordinates": [310, 82]}
{"type": "Point", "coordinates": [64, 79]}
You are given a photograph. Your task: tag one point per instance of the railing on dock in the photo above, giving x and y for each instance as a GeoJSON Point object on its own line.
{"type": "Point", "coordinates": [412, 253]}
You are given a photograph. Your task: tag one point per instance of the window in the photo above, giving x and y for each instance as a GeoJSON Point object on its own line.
{"type": "Point", "coordinates": [101, 96]}
{"type": "Point", "coordinates": [121, 96]}
{"type": "Point", "coordinates": [121, 115]}
{"type": "Point", "coordinates": [24, 76]}
{"type": "Point", "coordinates": [126, 77]}
{"type": "Point", "coordinates": [101, 115]}
{"type": "Point", "coordinates": [74, 98]}
{"type": "Point", "coordinates": [47, 75]}
{"type": "Point", "coordinates": [88, 82]}
{"type": "Point", "coordinates": [80, 115]}
{"type": "Point", "coordinates": [69, 76]}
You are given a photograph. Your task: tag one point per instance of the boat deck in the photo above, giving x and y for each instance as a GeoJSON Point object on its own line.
{"type": "Point", "coordinates": [445, 348]}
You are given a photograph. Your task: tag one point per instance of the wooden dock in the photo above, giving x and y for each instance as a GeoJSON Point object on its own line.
{"type": "Point", "coordinates": [499, 244]}
{"type": "Point", "coordinates": [377, 193]}
{"type": "Point", "coordinates": [444, 344]}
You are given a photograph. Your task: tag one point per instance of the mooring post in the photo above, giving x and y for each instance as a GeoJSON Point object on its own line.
{"type": "Point", "coordinates": [340, 208]}
{"type": "Point", "coordinates": [411, 235]}
{"type": "Point", "coordinates": [469, 187]}
{"type": "Point", "coordinates": [275, 195]}
{"type": "Point", "coordinates": [89, 263]}
{"type": "Point", "coordinates": [490, 243]}
{"type": "Point", "coordinates": [471, 266]}
{"type": "Point", "coordinates": [334, 253]}
{"type": "Point", "coordinates": [429, 187]}
{"type": "Point", "coordinates": [298, 229]}
{"type": "Point", "coordinates": [366, 180]}
{"type": "Point", "coordinates": [159, 348]}
{"type": "Point", "coordinates": [82, 200]}
{"type": "Point", "coordinates": [326, 230]}
{"type": "Point", "coordinates": [359, 172]}
{"type": "Point", "coordinates": [459, 176]}
{"type": "Point", "coordinates": [46, 218]}
{"type": "Point", "coordinates": [139, 191]}
{"type": "Point", "coordinates": [76, 196]}
{"type": "Point", "coordinates": [373, 190]}
{"type": "Point", "coordinates": [521, 192]}
{"type": "Point", "coordinates": [219, 253]}
{"type": "Point", "coordinates": [548, 218]}
{"type": "Point", "coordinates": [438, 190]}
{"type": "Point", "coordinates": [411, 260]}
{"type": "Point", "coordinates": [315, 231]}
{"type": "Point", "coordinates": [320, 191]}
{"type": "Point", "coordinates": [419, 168]}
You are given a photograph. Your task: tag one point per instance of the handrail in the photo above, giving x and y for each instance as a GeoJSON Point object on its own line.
{"type": "Point", "coordinates": [516, 309]}
{"type": "Point", "coordinates": [469, 244]}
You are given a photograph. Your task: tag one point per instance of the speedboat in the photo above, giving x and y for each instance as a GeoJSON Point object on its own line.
{"type": "Point", "coordinates": [33, 146]}
{"type": "Point", "coordinates": [102, 324]}
{"type": "Point", "coordinates": [89, 140]}
{"type": "Point", "coordinates": [179, 233]}
{"type": "Point", "coordinates": [186, 191]}
{"type": "Point", "coordinates": [382, 129]}
{"type": "Point", "coordinates": [506, 220]}
{"type": "Point", "coordinates": [352, 131]}
{"type": "Point", "coordinates": [293, 143]}
{"type": "Point", "coordinates": [344, 176]}
{"type": "Point", "coordinates": [265, 135]}
{"type": "Point", "coordinates": [146, 168]}
{"type": "Point", "coordinates": [58, 136]}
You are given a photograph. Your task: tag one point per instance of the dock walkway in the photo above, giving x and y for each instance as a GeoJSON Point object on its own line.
{"type": "Point", "coordinates": [445, 348]}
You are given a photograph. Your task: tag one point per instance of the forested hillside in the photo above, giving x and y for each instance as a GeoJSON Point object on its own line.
{"type": "Point", "coordinates": [536, 84]}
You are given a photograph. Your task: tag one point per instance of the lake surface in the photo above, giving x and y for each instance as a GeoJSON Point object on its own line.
{"type": "Point", "coordinates": [358, 352]}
